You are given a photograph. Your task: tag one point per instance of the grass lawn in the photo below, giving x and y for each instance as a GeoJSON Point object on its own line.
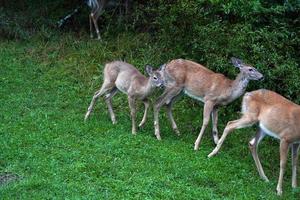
{"type": "Point", "coordinates": [45, 89]}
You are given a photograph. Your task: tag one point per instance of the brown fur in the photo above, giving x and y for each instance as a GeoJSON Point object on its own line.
{"type": "Point", "coordinates": [277, 117]}
{"type": "Point", "coordinates": [198, 82]}
{"type": "Point", "coordinates": [127, 79]}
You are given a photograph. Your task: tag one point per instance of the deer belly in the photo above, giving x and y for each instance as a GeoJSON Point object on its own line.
{"type": "Point", "coordinates": [194, 96]}
{"type": "Point", "coordinates": [122, 86]}
{"type": "Point", "coordinates": [268, 132]}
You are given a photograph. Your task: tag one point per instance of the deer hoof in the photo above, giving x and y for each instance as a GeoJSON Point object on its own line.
{"type": "Point", "coordinates": [279, 191]}
{"type": "Point", "coordinates": [86, 116]}
{"type": "Point", "coordinates": [213, 153]}
{"type": "Point", "coordinates": [158, 137]}
{"type": "Point", "coordinates": [215, 137]}
{"type": "Point", "coordinates": [177, 131]}
{"type": "Point", "coordinates": [141, 125]}
{"type": "Point", "coordinates": [266, 179]}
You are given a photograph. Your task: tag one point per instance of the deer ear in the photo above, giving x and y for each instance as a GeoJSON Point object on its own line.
{"type": "Point", "coordinates": [162, 67]}
{"type": "Point", "coordinates": [149, 69]}
{"type": "Point", "coordinates": [236, 62]}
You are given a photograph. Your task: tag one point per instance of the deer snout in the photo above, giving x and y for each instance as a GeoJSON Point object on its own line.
{"type": "Point", "coordinates": [261, 77]}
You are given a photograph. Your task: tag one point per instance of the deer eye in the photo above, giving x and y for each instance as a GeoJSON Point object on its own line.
{"type": "Point", "coordinates": [250, 70]}
{"type": "Point", "coordinates": [154, 77]}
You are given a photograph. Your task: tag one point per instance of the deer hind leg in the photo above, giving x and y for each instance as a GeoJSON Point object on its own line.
{"type": "Point", "coordinates": [253, 145]}
{"type": "Point", "coordinates": [208, 107]}
{"type": "Point", "coordinates": [132, 107]}
{"type": "Point", "coordinates": [165, 98]}
{"type": "Point", "coordinates": [214, 118]}
{"type": "Point", "coordinates": [295, 153]}
{"type": "Point", "coordinates": [108, 98]}
{"type": "Point", "coordinates": [91, 25]}
{"type": "Point", "coordinates": [105, 87]}
{"type": "Point", "coordinates": [284, 147]}
{"type": "Point", "coordinates": [146, 104]}
{"type": "Point", "coordinates": [246, 120]}
{"type": "Point", "coordinates": [94, 18]}
{"type": "Point", "coordinates": [127, 7]}
{"type": "Point", "coordinates": [170, 114]}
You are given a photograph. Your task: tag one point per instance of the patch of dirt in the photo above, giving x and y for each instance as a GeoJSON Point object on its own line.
{"type": "Point", "coordinates": [7, 177]}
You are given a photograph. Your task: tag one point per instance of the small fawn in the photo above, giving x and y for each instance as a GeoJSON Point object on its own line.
{"type": "Point", "coordinates": [124, 77]}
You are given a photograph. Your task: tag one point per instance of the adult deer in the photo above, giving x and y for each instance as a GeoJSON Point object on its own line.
{"type": "Point", "coordinates": [277, 117]}
{"type": "Point", "coordinates": [202, 84]}
{"type": "Point", "coordinates": [97, 8]}
{"type": "Point", "coordinates": [124, 77]}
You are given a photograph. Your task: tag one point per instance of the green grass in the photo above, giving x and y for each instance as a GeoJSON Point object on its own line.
{"type": "Point", "coordinates": [45, 88]}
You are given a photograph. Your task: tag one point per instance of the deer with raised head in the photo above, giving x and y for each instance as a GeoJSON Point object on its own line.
{"type": "Point", "coordinates": [277, 117]}
{"type": "Point", "coordinates": [124, 77]}
{"type": "Point", "coordinates": [202, 84]}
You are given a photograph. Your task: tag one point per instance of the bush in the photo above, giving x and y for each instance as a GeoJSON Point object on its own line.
{"type": "Point", "coordinates": [263, 33]}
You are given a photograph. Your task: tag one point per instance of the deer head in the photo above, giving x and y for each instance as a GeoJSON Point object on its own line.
{"type": "Point", "coordinates": [155, 76]}
{"type": "Point", "coordinates": [248, 71]}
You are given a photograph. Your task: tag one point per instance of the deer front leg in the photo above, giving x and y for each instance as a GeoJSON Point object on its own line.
{"type": "Point", "coordinates": [146, 104]}
{"type": "Point", "coordinates": [132, 107]}
{"type": "Point", "coordinates": [245, 121]}
{"type": "Point", "coordinates": [295, 153]}
{"type": "Point", "coordinates": [284, 147]}
{"type": "Point", "coordinates": [208, 107]}
{"type": "Point", "coordinates": [165, 98]}
{"type": "Point", "coordinates": [253, 145]}
{"type": "Point", "coordinates": [214, 118]}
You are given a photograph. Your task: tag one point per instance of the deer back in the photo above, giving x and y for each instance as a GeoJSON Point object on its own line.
{"type": "Point", "coordinates": [276, 114]}
{"type": "Point", "coordinates": [196, 79]}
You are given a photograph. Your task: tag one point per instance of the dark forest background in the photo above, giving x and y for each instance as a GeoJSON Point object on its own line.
{"type": "Point", "coordinates": [263, 33]}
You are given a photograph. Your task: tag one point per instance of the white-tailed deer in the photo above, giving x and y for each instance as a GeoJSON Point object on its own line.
{"type": "Point", "coordinates": [122, 76]}
{"type": "Point", "coordinates": [97, 8]}
{"type": "Point", "coordinates": [202, 84]}
{"type": "Point", "coordinates": [277, 117]}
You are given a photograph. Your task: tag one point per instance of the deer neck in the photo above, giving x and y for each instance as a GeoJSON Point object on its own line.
{"type": "Point", "coordinates": [148, 87]}
{"type": "Point", "coordinates": [239, 86]}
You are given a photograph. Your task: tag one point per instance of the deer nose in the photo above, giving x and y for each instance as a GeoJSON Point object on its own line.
{"type": "Point", "coordinates": [261, 78]}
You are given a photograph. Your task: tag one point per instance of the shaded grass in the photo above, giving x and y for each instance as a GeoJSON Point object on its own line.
{"type": "Point", "coordinates": [46, 87]}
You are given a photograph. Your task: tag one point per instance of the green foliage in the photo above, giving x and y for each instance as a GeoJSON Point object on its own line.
{"type": "Point", "coordinates": [263, 33]}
